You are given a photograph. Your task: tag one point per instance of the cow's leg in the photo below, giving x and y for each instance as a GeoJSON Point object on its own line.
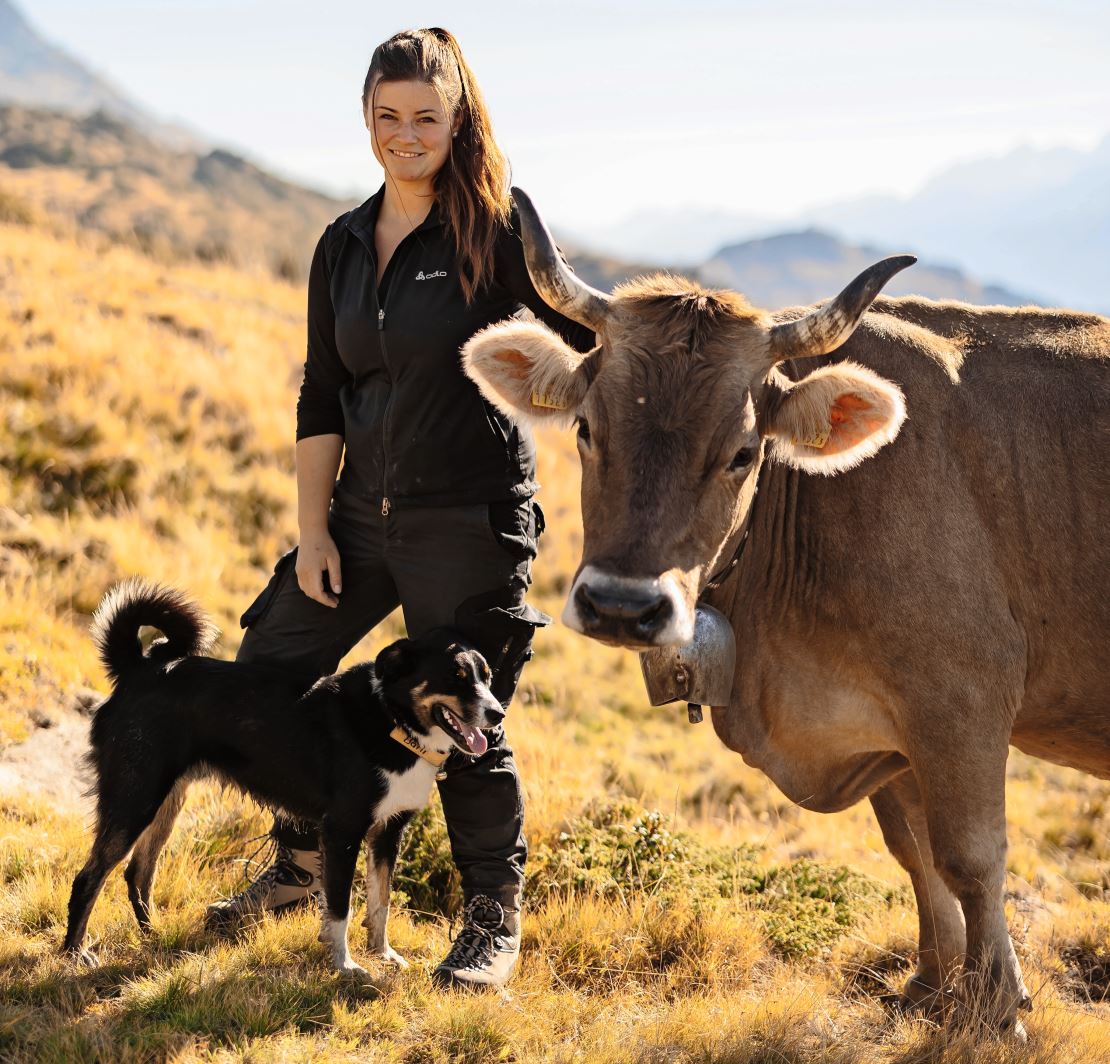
{"type": "Point", "coordinates": [941, 939]}
{"type": "Point", "coordinates": [963, 784]}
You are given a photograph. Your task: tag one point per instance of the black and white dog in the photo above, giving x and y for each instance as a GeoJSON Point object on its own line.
{"type": "Point", "coordinates": [355, 753]}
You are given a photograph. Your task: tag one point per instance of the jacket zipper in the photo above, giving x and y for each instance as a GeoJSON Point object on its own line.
{"type": "Point", "coordinates": [396, 263]}
{"type": "Point", "coordinates": [386, 505]}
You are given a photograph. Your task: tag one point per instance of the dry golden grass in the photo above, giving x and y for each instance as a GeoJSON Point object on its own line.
{"type": "Point", "coordinates": [146, 418]}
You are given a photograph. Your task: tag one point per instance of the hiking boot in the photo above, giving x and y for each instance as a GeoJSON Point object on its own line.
{"type": "Point", "coordinates": [292, 881]}
{"type": "Point", "coordinates": [486, 947]}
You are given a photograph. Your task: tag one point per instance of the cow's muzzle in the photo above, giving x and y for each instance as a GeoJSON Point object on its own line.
{"type": "Point", "coordinates": [628, 611]}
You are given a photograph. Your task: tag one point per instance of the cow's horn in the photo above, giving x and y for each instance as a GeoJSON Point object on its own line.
{"type": "Point", "coordinates": [554, 279]}
{"type": "Point", "coordinates": [827, 328]}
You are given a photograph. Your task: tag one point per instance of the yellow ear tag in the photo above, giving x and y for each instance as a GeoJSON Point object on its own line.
{"type": "Point", "coordinates": [818, 439]}
{"type": "Point", "coordinates": [548, 402]}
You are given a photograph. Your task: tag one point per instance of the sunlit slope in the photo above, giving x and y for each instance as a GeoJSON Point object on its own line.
{"type": "Point", "coordinates": [681, 908]}
{"type": "Point", "coordinates": [145, 427]}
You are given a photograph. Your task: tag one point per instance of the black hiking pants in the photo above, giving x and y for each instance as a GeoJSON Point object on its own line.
{"type": "Point", "coordinates": [466, 567]}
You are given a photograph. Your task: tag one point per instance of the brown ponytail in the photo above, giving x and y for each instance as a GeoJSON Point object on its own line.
{"type": "Point", "coordinates": [472, 189]}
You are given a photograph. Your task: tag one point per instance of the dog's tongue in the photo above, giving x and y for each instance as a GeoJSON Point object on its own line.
{"type": "Point", "coordinates": [475, 740]}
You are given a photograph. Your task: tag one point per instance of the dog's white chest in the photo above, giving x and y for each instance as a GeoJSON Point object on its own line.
{"type": "Point", "coordinates": [405, 790]}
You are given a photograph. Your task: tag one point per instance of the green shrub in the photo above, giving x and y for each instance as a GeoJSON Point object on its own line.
{"type": "Point", "coordinates": [616, 848]}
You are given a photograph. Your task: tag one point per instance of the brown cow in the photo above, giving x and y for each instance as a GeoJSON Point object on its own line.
{"type": "Point", "coordinates": [897, 626]}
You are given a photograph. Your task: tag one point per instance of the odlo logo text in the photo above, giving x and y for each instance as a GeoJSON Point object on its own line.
{"type": "Point", "coordinates": [422, 276]}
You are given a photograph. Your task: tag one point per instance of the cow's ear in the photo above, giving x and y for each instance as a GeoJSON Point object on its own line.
{"type": "Point", "coordinates": [527, 372]}
{"type": "Point", "coordinates": [834, 418]}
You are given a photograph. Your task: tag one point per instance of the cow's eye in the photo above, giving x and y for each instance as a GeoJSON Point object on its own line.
{"type": "Point", "coordinates": [583, 430]}
{"type": "Point", "coordinates": [742, 459]}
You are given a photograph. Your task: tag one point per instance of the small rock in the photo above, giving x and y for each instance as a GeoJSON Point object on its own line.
{"type": "Point", "coordinates": [86, 701]}
{"type": "Point", "coordinates": [41, 719]}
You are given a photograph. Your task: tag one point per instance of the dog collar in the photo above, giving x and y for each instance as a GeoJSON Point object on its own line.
{"type": "Point", "coordinates": [433, 757]}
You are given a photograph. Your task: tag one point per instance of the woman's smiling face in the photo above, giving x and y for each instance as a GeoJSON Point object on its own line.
{"type": "Point", "coordinates": [410, 130]}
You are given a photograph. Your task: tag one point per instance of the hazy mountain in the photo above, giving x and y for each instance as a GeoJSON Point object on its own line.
{"type": "Point", "coordinates": [789, 269]}
{"type": "Point", "coordinates": [605, 272]}
{"type": "Point", "coordinates": [1035, 219]}
{"type": "Point", "coordinates": [683, 235]}
{"type": "Point", "coordinates": [795, 268]}
{"type": "Point", "coordinates": [37, 73]}
{"type": "Point", "coordinates": [103, 174]}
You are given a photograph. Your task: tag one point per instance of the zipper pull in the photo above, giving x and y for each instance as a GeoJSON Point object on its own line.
{"type": "Point", "coordinates": [385, 507]}
{"type": "Point", "coordinates": [381, 318]}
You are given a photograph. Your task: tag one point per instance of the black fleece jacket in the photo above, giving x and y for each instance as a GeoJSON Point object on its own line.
{"type": "Point", "coordinates": [383, 368]}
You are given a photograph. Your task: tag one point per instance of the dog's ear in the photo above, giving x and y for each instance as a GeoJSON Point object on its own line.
{"type": "Point", "coordinates": [395, 660]}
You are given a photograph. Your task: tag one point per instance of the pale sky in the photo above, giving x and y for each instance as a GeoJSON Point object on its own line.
{"type": "Point", "coordinates": [605, 108]}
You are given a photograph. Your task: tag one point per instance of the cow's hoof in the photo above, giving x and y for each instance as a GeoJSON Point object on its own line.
{"type": "Point", "coordinates": [921, 999]}
{"type": "Point", "coordinates": [1013, 1030]}
{"type": "Point", "coordinates": [82, 956]}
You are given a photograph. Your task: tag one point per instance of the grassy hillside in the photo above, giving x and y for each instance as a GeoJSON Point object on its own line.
{"type": "Point", "coordinates": [680, 908]}
{"type": "Point", "coordinates": [103, 174]}
{"type": "Point", "coordinates": [97, 173]}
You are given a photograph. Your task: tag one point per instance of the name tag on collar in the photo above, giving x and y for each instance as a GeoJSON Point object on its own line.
{"type": "Point", "coordinates": [433, 757]}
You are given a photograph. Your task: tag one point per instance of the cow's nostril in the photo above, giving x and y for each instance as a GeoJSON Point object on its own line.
{"type": "Point", "coordinates": [622, 609]}
{"type": "Point", "coordinates": [655, 616]}
{"type": "Point", "coordinates": [586, 608]}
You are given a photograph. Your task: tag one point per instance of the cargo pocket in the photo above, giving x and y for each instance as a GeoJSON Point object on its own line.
{"type": "Point", "coordinates": [504, 636]}
{"type": "Point", "coordinates": [261, 605]}
{"type": "Point", "coordinates": [515, 526]}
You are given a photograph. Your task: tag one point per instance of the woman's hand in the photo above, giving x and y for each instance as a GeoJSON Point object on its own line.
{"type": "Point", "coordinates": [317, 555]}
{"type": "Point", "coordinates": [317, 463]}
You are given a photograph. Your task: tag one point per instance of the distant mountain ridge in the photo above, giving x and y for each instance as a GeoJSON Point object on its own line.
{"type": "Point", "coordinates": [1036, 218]}
{"type": "Point", "coordinates": [1032, 220]}
{"type": "Point", "coordinates": [802, 267]}
{"type": "Point", "coordinates": [101, 173]}
{"type": "Point", "coordinates": [36, 73]}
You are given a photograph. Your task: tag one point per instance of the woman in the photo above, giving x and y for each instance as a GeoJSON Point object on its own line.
{"type": "Point", "coordinates": [432, 510]}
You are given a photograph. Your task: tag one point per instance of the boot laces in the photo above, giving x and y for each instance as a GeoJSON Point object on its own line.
{"type": "Point", "coordinates": [477, 941]}
{"type": "Point", "coordinates": [281, 870]}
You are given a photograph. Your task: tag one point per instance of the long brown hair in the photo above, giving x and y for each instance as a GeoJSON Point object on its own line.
{"type": "Point", "coordinates": [472, 188]}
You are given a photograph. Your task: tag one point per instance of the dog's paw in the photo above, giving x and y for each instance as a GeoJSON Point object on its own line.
{"type": "Point", "coordinates": [390, 958]}
{"type": "Point", "coordinates": [350, 967]}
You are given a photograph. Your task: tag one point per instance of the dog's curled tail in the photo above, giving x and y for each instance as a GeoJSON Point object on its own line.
{"type": "Point", "coordinates": [136, 603]}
